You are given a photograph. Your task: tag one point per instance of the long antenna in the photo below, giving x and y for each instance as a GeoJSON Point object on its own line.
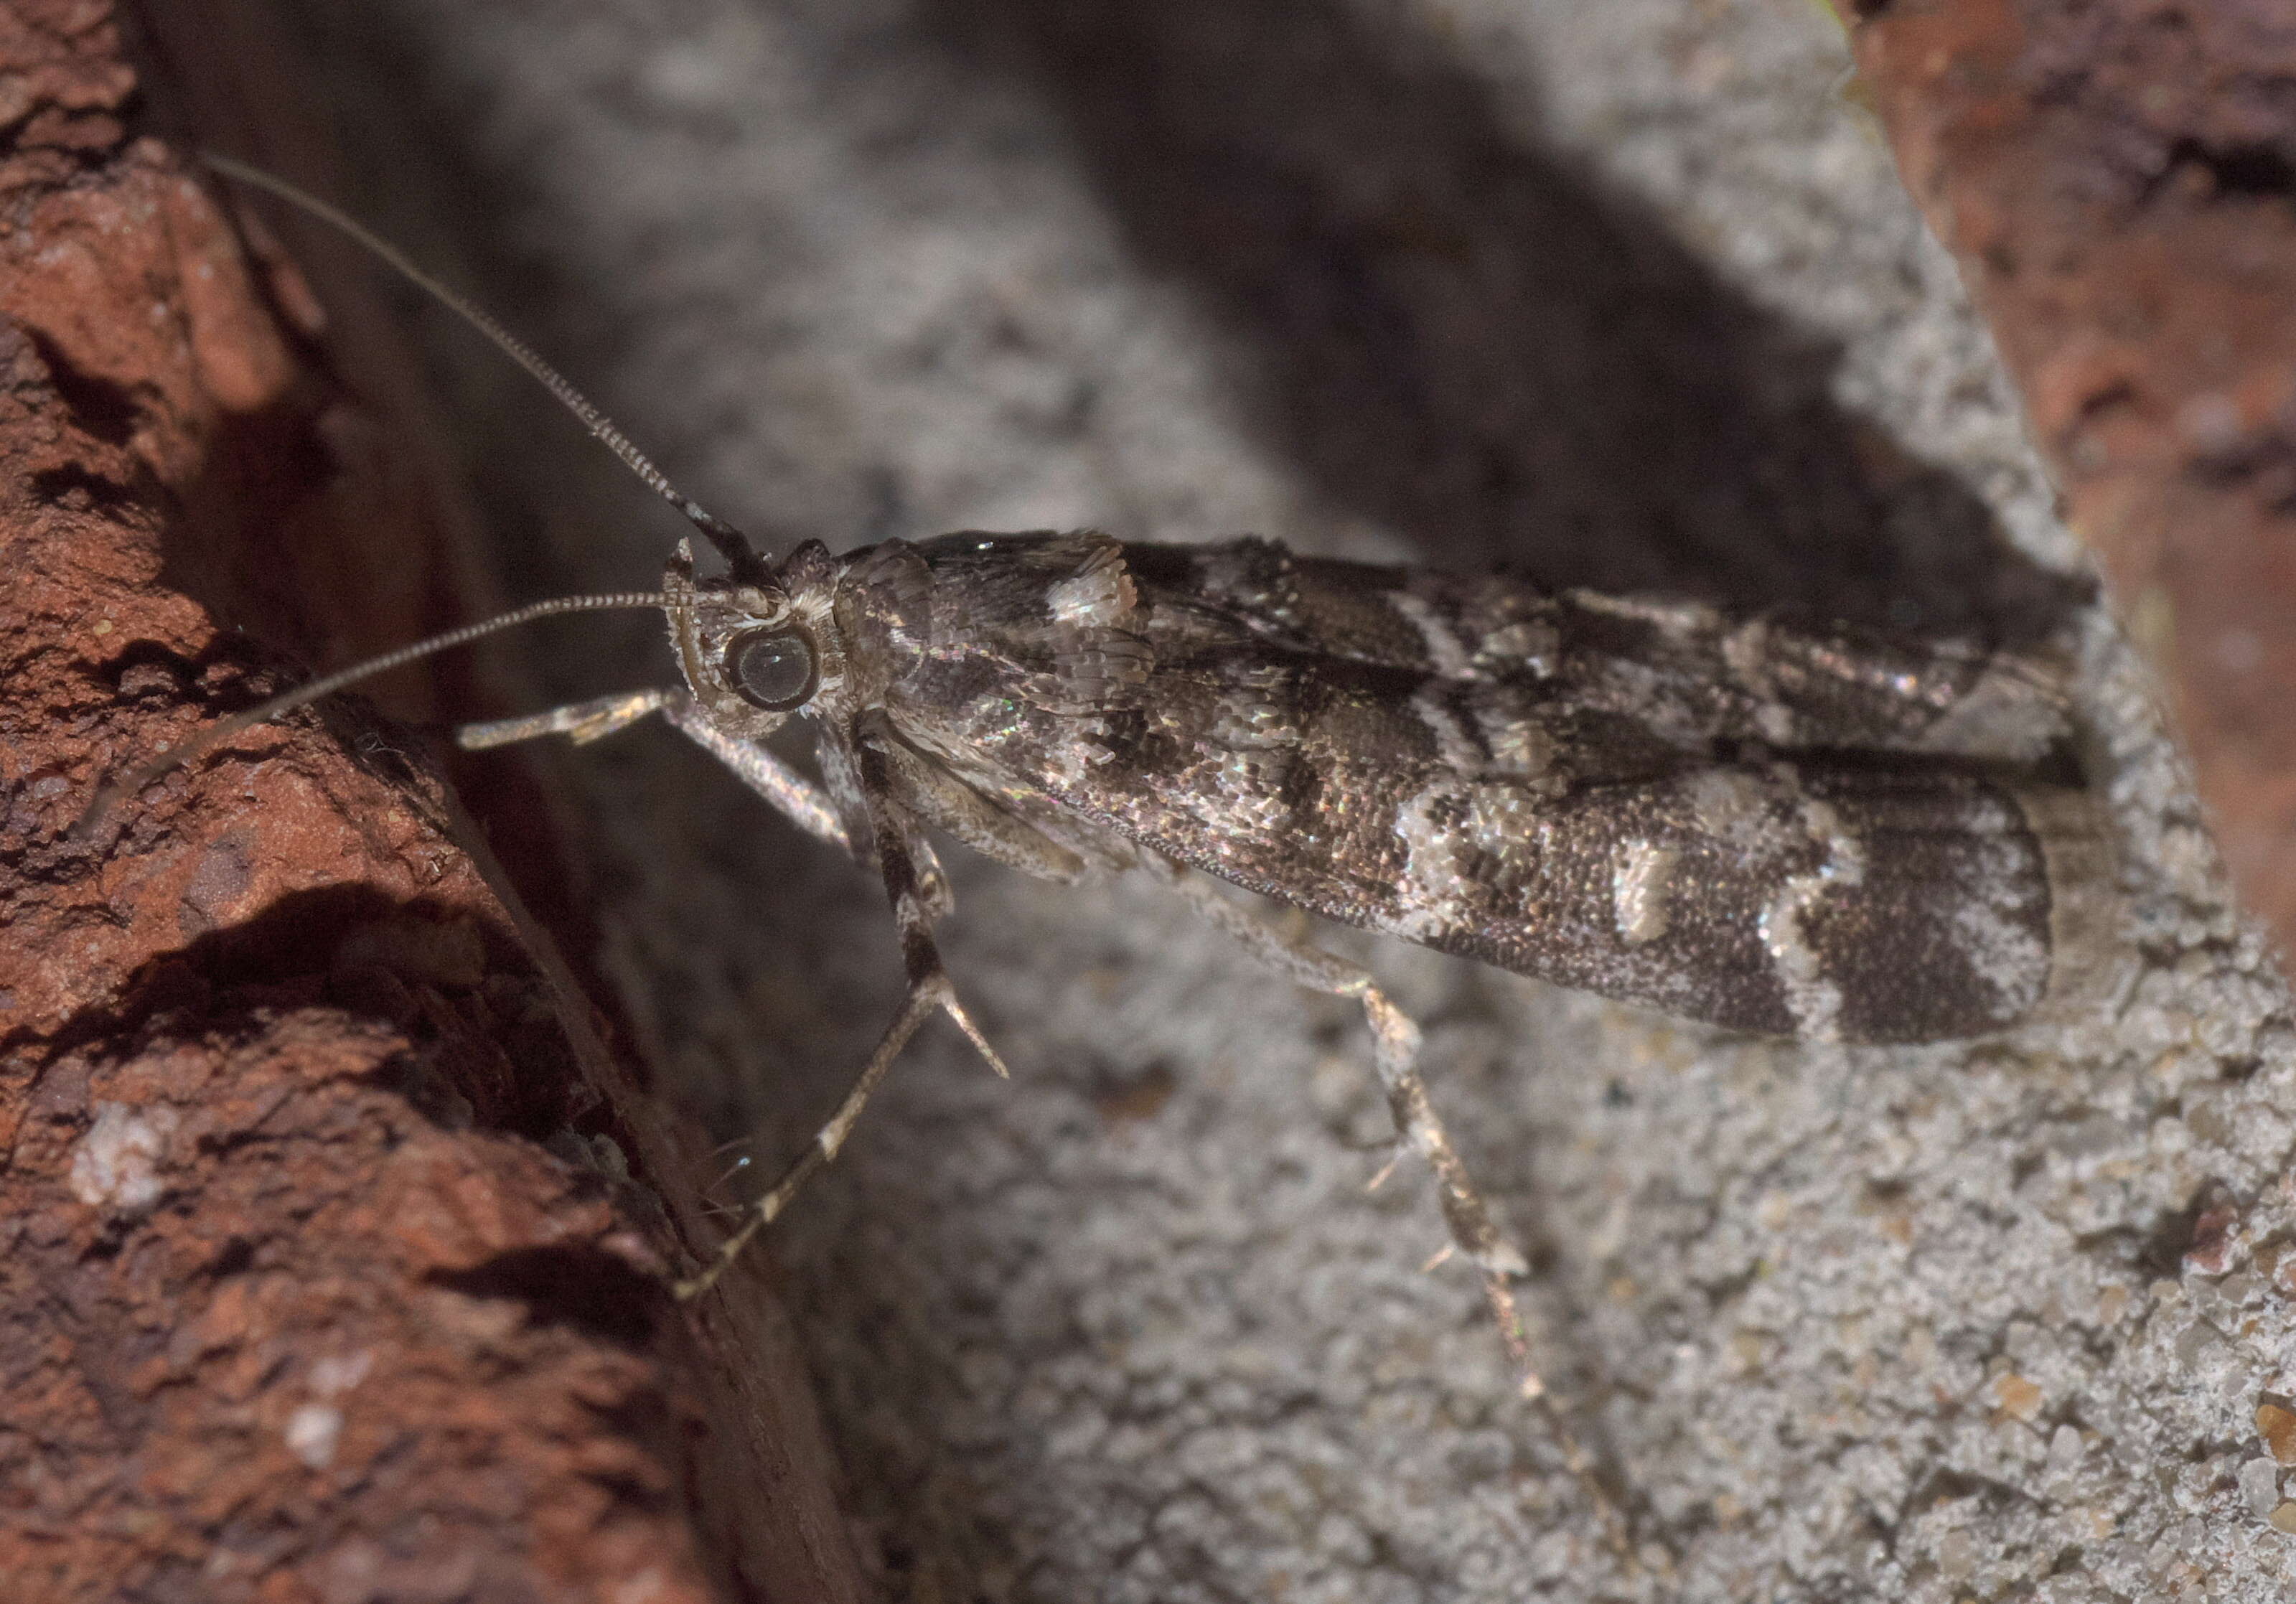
{"type": "Point", "coordinates": [135, 778]}
{"type": "Point", "coordinates": [731, 543]}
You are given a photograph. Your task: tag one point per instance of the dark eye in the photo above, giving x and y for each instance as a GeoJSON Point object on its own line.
{"type": "Point", "coordinates": [773, 668]}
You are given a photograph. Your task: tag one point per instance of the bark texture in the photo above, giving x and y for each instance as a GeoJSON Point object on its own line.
{"type": "Point", "coordinates": [327, 1275]}
{"type": "Point", "coordinates": [2119, 182]}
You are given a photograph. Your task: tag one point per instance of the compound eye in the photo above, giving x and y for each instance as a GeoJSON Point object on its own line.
{"type": "Point", "coordinates": [775, 669]}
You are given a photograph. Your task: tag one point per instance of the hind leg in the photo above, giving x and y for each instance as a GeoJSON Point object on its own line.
{"type": "Point", "coordinates": [1395, 1053]}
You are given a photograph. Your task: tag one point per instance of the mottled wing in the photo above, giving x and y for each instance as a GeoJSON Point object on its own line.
{"type": "Point", "coordinates": [1557, 786]}
{"type": "Point", "coordinates": [1689, 673]}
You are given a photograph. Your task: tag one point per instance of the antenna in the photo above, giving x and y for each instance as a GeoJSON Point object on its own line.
{"type": "Point", "coordinates": [731, 543]}
{"type": "Point", "coordinates": [111, 796]}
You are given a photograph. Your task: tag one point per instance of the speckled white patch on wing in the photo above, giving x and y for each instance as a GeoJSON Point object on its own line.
{"type": "Point", "coordinates": [1641, 882]}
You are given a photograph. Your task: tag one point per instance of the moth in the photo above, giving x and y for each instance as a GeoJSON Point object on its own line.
{"type": "Point", "coordinates": [1800, 829]}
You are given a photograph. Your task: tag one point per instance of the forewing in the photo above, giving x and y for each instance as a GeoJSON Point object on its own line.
{"type": "Point", "coordinates": [1550, 804]}
{"type": "Point", "coordinates": [1688, 673]}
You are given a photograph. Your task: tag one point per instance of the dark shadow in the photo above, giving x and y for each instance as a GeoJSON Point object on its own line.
{"type": "Point", "coordinates": [105, 409]}
{"type": "Point", "coordinates": [1472, 340]}
{"type": "Point", "coordinates": [2202, 1227]}
{"type": "Point", "coordinates": [341, 947]}
{"type": "Point", "coordinates": [587, 1289]}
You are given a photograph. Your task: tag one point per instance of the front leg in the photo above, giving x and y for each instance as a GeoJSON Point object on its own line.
{"type": "Point", "coordinates": [792, 796]}
{"type": "Point", "coordinates": [581, 722]}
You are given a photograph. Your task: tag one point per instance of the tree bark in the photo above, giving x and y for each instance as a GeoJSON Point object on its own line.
{"type": "Point", "coordinates": [339, 1230]}
{"type": "Point", "coordinates": [2119, 181]}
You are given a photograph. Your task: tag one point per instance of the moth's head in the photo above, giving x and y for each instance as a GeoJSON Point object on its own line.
{"type": "Point", "coordinates": [754, 650]}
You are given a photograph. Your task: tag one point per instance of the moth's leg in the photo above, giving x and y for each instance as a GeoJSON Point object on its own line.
{"type": "Point", "coordinates": [930, 991]}
{"type": "Point", "coordinates": [946, 803]}
{"type": "Point", "coordinates": [1396, 1054]}
{"type": "Point", "coordinates": [582, 721]}
{"type": "Point", "coordinates": [791, 794]}
{"type": "Point", "coordinates": [903, 860]}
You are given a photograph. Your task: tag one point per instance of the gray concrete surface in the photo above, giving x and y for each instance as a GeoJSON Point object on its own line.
{"type": "Point", "coordinates": [1625, 295]}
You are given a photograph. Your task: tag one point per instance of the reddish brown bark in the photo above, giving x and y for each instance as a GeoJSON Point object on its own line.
{"type": "Point", "coordinates": [2118, 181]}
{"type": "Point", "coordinates": [323, 1280]}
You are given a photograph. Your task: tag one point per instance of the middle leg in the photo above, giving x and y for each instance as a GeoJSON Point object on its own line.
{"type": "Point", "coordinates": [930, 991]}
